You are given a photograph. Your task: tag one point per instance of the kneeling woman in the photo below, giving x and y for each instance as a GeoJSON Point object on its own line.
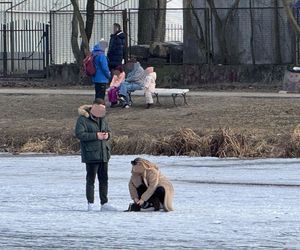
{"type": "Point", "coordinates": [148, 187]}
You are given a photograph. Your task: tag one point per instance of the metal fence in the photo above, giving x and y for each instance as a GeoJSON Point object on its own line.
{"type": "Point", "coordinates": [252, 36]}
{"type": "Point", "coordinates": [212, 36]}
{"type": "Point", "coordinates": [228, 36]}
{"type": "Point", "coordinates": [24, 43]}
{"type": "Point", "coordinates": [61, 31]}
{"type": "Point", "coordinates": [174, 32]}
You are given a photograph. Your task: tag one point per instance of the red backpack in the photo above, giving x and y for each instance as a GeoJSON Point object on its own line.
{"type": "Point", "coordinates": [89, 65]}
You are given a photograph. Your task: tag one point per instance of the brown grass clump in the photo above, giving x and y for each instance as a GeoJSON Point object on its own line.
{"type": "Point", "coordinates": [229, 143]}
{"type": "Point", "coordinates": [183, 142]}
{"type": "Point", "coordinates": [35, 145]}
{"type": "Point", "coordinates": [293, 144]}
{"type": "Point", "coordinates": [137, 145]}
{"type": "Point", "coordinates": [296, 133]}
{"type": "Point", "coordinates": [66, 144]}
{"type": "Point", "coordinates": [224, 142]}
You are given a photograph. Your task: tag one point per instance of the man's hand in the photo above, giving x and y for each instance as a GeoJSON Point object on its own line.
{"type": "Point", "coordinates": [102, 135]}
{"type": "Point", "coordinates": [136, 200]}
{"type": "Point", "coordinates": [105, 135]}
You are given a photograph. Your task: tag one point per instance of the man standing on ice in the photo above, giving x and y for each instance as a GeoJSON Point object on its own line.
{"type": "Point", "coordinates": [93, 132]}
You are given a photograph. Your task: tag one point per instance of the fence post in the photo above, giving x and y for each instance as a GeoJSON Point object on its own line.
{"type": "Point", "coordinates": [12, 48]}
{"type": "Point", "coordinates": [46, 50]}
{"type": "Point", "coordinates": [207, 38]}
{"type": "Point", "coordinates": [125, 30]}
{"type": "Point", "coordinates": [51, 35]}
{"type": "Point", "coordinates": [4, 51]}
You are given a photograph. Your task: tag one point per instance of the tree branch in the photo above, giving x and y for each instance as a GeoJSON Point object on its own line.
{"type": "Point", "coordinates": [232, 9]}
{"type": "Point", "coordinates": [201, 37]}
{"type": "Point", "coordinates": [90, 9]}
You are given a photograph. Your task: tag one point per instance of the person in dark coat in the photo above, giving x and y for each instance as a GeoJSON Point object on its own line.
{"type": "Point", "coordinates": [93, 132]}
{"type": "Point", "coordinates": [116, 47]}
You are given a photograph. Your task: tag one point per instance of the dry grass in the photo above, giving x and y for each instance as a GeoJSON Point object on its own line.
{"type": "Point", "coordinates": [208, 126]}
{"type": "Point", "coordinates": [224, 142]}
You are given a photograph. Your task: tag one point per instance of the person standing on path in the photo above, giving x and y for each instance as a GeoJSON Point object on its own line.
{"type": "Point", "coordinates": [102, 76]}
{"type": "Point", "coordinates": [93, 132]}
{"type": "Point", "coordinates": [116, 47]}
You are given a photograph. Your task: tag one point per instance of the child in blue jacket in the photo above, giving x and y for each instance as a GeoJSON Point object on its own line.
{"type": "Point", "coordinates": [102, 76]}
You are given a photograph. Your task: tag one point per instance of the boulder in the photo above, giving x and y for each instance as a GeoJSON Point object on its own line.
{"type": "Point", "coordinates": [140, 51]}
{"type": "Point", "coordinates": [175, 52]}
{"type": "Point", "coordinates": [159, 50]}
{"type": "Point", "coordinates": [156, 61]}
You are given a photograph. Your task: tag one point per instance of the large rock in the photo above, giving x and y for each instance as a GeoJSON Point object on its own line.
{"type": "Point", "coordinates": [175, 52]}
{"type": "Point", "coordinates": [140, 51]}
{"type": "Point", "coordinates": [156, 61]}
{"type": "Point", "coordinates": [159, 50]}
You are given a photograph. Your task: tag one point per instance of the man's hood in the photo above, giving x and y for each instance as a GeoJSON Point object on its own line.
{"type": "Point", "coordinates": [84, 110]}
{"type": "Point", "coordinates": [120, 34]}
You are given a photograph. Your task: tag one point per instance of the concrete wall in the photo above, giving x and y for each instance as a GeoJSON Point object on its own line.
{"type": "Point", "coordinates": [194, 76]}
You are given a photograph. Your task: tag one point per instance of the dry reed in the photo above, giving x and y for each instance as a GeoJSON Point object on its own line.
{"type": "Point", "coordinates": [224, 142]}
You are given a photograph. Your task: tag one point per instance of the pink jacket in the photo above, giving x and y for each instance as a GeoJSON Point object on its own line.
{"type": "Point", "coordinates": [117, 80]}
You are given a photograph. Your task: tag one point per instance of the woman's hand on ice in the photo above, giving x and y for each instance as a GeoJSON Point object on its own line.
{"type": "Point", "coordinates": [140, 202]}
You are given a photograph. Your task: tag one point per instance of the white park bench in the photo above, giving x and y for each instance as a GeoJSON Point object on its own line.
{"type": "Point", "coordinates": [163, 92]}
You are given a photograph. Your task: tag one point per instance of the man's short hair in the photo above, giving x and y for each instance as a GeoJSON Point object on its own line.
{"type": "Point", "coordinates": [117, 25]}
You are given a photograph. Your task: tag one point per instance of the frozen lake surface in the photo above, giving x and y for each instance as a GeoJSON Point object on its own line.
{"type": "Point", "coordinates": [220, 204]}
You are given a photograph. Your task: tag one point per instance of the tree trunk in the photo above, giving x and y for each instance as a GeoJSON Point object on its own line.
{"type": "Point", "coordinates": [221, 27]}
{"type": "Point", "coordinates": [77, 14]}
{"type": "Point", "coordinates": [90, 13]}
{"type": "Point", "coordinates": [74, 41]}
{"type": "Point", "coordinates": [252, 34]}
{"type": "Point", "coordinates": [152, 21]}
{"type": "Point", "coordinates": [278, 57]}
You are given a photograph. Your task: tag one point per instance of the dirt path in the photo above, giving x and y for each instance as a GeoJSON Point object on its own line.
{"type": "Point", "coordinates": [29, 91]}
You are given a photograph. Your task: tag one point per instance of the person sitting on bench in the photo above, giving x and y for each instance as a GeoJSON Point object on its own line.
{"type": "Point", "coordinates": [135, 80]}
{"type": "Point", "coordinates": [118, 78]}
{"type": "Point", "coordinates": [149, 86]}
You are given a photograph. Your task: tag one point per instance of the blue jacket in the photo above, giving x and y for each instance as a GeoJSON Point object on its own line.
{"type": "Point", "coordinates": [102, 71]}
{"type": "Point", "coordinates": [115, 52]}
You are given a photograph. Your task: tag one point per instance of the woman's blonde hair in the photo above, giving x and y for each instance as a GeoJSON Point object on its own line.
{"type": "Point", "coordinates": [147, 164]}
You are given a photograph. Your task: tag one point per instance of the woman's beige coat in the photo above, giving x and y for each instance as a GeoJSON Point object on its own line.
{"type": "Point", "coordinates": [152, 178]}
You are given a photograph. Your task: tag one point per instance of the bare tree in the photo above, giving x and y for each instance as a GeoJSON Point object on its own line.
{"type": "Point", "coordinates": [200, 37]}
{"type": "Point", "coordinates": [152, 21]}
{"type": "Point", "coordinates": [85, 30]}
{"type": "Point", "coordinates": [221, 27]}
{"type": "Point", "coordinates": [289, 12]}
